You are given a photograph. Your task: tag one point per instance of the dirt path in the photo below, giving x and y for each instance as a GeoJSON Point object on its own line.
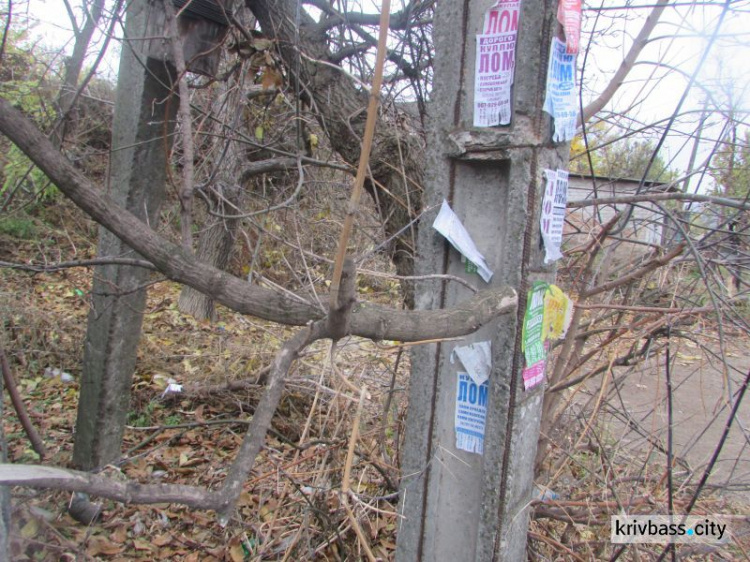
{"type": "Point", "coordinates": [700, 411]}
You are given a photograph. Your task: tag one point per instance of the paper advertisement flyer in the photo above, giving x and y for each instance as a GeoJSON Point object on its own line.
{"type": "Point", "coordinates": [558, 312]}
{"type": "Point", "coordinates": [476, 359]}
{"type": "Point", "coordinates": [449, 225]}
{"type": "Point", "coordinates": [561, 100]}
{"type": "Point", "coordinates": [552, 219]}
{"type": "Point", "coordinates": [495, 63]}
{"type": "Point", "coordinates": [548, 315]}
{"type": "Point", "coordinates": [532, 341]}
{"type": "Point", "coordinates": [533, 375]}
{"type": "Point", "coordinates": [471, 414]}
{"type": "Point", "coordinates": [569, 16]}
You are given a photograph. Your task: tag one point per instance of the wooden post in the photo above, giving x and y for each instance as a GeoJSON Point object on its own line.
{"type": "Point", "coordinates": [459, 505]}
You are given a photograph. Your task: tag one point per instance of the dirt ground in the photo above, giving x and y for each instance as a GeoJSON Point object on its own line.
{"type": "Point", "coordinates": [700, 410]}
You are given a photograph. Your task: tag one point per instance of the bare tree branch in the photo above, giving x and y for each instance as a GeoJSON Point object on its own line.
{"type": "Point", "coordinates": [626, 65]}
{"type": "Point", "coordinates": [368, 320]}
{"type": "Point", "coordinates": [648, 197]}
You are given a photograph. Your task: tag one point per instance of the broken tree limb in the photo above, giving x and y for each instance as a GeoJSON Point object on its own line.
{"type": "Point", "coordinates": [367, 320]}
{"type": "Point", "coordinates": [222, 500]}
{"type": "Point", "coordinates": [126, 491]}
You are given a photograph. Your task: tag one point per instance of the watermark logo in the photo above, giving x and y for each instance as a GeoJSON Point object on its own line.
{"type": "Point", "coordinates": [665, 529]}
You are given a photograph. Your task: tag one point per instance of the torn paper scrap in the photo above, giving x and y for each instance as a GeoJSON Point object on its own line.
{"type": "Point", "coordinates": [552, 219]}
{"type": "Point", "coordinates": [533, 375]}
{"type": "Point", "coordinates": [172, 388]}
{"type": "Point", "coordinates": [476, 359]}
{"type": "Point", "coordinates": [471, 414]}
{"type": "Point", "coordinates": [569, 15]}
{"type": "Point", "coordinates": [494, 65]}
{"type": "Point", "coordinates": [561, 100]}
{"type": "Point", "coordinates": [558, 312]}
{"type": "Point", "coordinates": [449, 225]}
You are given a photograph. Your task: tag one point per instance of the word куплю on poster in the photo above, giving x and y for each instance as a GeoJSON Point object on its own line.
{"type": "Point", "coordinates": [495, 62]}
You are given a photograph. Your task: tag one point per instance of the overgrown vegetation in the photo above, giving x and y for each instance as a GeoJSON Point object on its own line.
{"type": "Point", "coordinates": [675, 306]}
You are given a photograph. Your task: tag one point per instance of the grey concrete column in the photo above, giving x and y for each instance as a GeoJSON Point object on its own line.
{"type": "Point", "coordinates": [460, 506]}
{"type": "Point", "coordinates": [141, 141]}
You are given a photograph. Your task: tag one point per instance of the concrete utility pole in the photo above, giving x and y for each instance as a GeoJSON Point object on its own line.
{"type": "Point", "coordinates": [145, 111]}
{"type": "Point", "coordinates": [459, 505]}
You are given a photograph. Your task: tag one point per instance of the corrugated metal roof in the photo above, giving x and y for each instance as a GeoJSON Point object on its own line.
{"type": "Point", "coordinates": [207, 9]}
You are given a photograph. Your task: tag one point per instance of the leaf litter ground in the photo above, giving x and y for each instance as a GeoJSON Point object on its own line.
{"type": "Point", "coordinates": [290, 508]}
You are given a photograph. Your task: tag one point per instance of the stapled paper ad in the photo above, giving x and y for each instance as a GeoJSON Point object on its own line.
{"type": "Point", "coordinates": [495, 62]}
{"type": "Point", "coordinates": [471, 414]}
{"type": "Point", "coordinates": [558, 312]}
{"type": "Point", "coordinates": [449, 225]}
{"type": "Point", "coordinates": [561, 100]}
{"type": "Point", "coordinates": [552, 219]}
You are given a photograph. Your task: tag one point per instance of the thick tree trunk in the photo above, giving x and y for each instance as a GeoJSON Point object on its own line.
{"type": "Point", "coordinates": [214, 247]}
{"type": "Point", "coordinates": [73, 67]}
{"type": "Point", "coordinates": [397, 158]}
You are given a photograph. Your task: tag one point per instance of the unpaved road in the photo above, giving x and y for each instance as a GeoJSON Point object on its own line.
{"type": "Point", "coordinates": [700, 410]}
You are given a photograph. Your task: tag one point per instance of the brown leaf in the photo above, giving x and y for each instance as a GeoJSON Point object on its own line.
{"type": "Point", "coordinates": [119, 535]}
{"type": "Point", "coordinates": [99, 544]}
{"type": "Point", "coordinates": [198, 413]}
{"type": "Point", "coordinates": [140, 544]}
{"type": "Point", "coordinates": [162, 540]}
{"type": "Point", "coordinates": [237, 553]}
{"type": "Point", "coordinates": [271, 78]}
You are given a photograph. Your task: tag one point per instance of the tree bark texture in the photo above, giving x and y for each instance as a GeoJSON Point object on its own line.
{"type": "Point", "coordinates": [73, 67]}
{"type": "Point", "coordinates": [215, 245]}
{"type": "Point", "coordinates": [216, 240]}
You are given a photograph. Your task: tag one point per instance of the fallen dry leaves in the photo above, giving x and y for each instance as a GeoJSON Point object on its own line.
{"type": "Point", "coordinates": [289, 509]}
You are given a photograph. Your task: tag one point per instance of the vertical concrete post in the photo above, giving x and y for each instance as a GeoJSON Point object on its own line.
{"type": "Point", "coordinates": [458, 505]}
{"type": "Point", "coordinates": [145, 111]}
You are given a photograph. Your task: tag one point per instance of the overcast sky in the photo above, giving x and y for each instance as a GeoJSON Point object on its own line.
{"type": "Point", "coordinates": [653, 90]}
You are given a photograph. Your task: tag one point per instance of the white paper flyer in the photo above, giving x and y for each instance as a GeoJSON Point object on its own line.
{"type": "Point", "coordinates": [561, 100]}
{"type": "Point", "coordinates": [476, 359]}
{"type": "Point", "coordinates": [552, 219]}
{"type": "Point", "coordinates": [495, 62]}
{"type": "Point", "coordinates": [449, 225]}
{"type": "Point", "coordinates": [471, 414]}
